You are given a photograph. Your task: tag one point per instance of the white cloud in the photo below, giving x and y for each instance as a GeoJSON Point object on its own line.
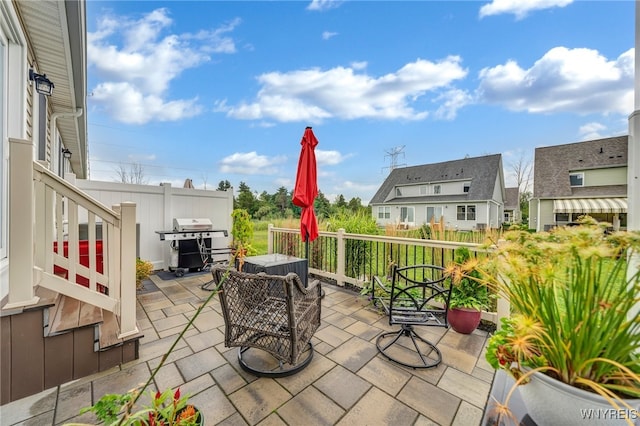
{"type": "Point", "coordinates": [127, 104]}
{"type": "Point", "coordinates": [355, 186]}
{"type": "Point", "coordinates": [326, 35]}
{"type": "Point", "coordinates": [321, 5]}
{"type": "Point", "coordinates": [591, 131]}
{"type": "Point", "coordinates": [250, 163]}
{"type": "Point", "coordinates": [141, 68]}
{"type": "Point", "coordinates": [329, 158]}
{"type": "Point", "coordinates": [520, 8]}
{"type": "Point", "coordinates": [286, 182]}
{"type": "Point", "coordinates": [359, 65]}
{"type": "Point", "coordinates": [452, 101]}
{"type": "Point", "coordinates": [313, 95]}
{"type": "Point", "coordinates": [563, 80]}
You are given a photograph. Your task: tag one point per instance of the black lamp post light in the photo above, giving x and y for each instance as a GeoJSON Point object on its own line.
{"type": "Point", "coordinates": [43, 85]}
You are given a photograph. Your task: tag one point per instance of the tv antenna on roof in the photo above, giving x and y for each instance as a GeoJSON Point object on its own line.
{"type": "Point", "coordinates": [393, 155]}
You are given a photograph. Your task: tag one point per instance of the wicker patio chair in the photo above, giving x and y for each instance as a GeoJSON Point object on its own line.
{"type": "Point", "coordinates": [276, 315]}
{"type": "Point", "coordinates": [418, 295]}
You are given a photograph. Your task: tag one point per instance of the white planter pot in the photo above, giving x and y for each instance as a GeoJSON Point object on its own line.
{"type": "Point", "coordinates": [551, 402]}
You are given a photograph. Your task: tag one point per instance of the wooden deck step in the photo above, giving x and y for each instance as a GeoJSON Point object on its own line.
{"type": "Point", "coordinates": [70, 313]}
{"type": "Point", "coordinates": [109, 330]}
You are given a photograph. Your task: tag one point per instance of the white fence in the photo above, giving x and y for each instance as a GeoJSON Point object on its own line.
{"type": "Point", "coordinates": [157, 206]}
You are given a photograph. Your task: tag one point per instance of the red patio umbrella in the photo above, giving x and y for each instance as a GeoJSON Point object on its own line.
{"type": "Point", "coordinates": [306, 188]}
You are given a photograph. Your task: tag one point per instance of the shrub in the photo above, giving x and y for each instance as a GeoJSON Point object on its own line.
{"type": "Point", "coordinates": [143, 270]}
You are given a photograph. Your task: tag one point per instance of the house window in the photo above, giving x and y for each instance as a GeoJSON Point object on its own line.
{"type": "Point", "coordinates": [434, 213]}
{"type": "Point", "coordinates": [467, 212]}
{"type": "Point", "coordinates": [406, 214]}
{"type": "Point", "coordinates": [398, 192]}
{"type": "Point", "coordinates": [562, 217]}
{"type": "Point", "coordinates": [466, 187]}
{"type": "Point", "coordinates": [384, 212]}
{"type": "Point", "coordinates": [576, 179]}
{"type": "Point", "coordinates": [436, 189]}
{"type": "Point", "coordinates": [471, 212]}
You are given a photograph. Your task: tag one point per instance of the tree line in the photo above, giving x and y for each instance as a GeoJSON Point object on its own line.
{"type": "Point", "coordinates": [279, 205]}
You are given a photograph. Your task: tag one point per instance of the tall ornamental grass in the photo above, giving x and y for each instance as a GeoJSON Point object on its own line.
{"type": "Point", "coordinates": [571, 298]}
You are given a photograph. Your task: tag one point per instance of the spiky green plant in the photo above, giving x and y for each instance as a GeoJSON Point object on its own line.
{"type": "Point", "coordinates": [571, 298]}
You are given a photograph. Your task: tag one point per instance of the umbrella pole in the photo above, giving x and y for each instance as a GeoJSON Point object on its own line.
{"type": "Point", "coordinates": [306, 251]}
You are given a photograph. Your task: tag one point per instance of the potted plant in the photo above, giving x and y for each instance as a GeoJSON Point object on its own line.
{"type": "Point", "coordinates": [469, 295]}
{"type": "Point", "coordinates": [168, 408]}
{"type": "Point", "coordinates": [242, 231]}
{"type": "Point", "coordinates": [571, 341]}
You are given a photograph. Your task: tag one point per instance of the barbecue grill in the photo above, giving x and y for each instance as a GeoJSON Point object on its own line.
{"type": "Point", "coordinates": [195, 245]}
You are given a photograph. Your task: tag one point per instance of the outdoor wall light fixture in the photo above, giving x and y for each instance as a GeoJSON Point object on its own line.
{"type": "Point", "coordinates": [44, 86]}
{"type": "Point", "coordinates": [66, 153]}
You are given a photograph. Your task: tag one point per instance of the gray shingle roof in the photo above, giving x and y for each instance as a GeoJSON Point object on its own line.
{"type": "Point", "coordinates": [513, 198]}
{"type": "Point", "coordinates": [552, 165]}
{"type": "Point", "coordinates": [483, 172]}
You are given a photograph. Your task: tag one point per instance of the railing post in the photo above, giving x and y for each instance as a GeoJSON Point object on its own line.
{"type": "Point", "coordinates": [21, 198]}
{"type": "Point", "coordinates": [340, 267]}
{"type": "Point", "coordinates": [128, 270]}
{"type": "Point", "coordinates": [270, 239]}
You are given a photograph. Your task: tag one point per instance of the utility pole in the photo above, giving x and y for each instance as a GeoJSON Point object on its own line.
{"type": "Point", "coordinates": [393, 155]}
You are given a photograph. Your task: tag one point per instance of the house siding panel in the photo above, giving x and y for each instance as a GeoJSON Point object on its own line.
{"type": "Point", "coordinates": [86, 360]}
{"type": "Point", "coordinates": [110, 358]}
{"type": "Point", "coordinates": [58, 360]}
{"type": "Point", "coordinates": [27, 354]}
{"type": "Point", "coordinates": [5, 360]}
{"type": "Point", "coordinates": [604, 177]}
{"type": "Point", "coordinates": [546, 214]}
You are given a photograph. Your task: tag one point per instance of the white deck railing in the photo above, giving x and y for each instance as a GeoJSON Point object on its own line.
{"type": "Point", "coordinates": [45, 247]}
{"type": "Point", "coordinates": [331, 257]}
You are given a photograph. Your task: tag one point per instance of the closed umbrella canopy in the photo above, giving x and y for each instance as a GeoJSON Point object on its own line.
{"type": "Point", "coordinates": [306, 188]}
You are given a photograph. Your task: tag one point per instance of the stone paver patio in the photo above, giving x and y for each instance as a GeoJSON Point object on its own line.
{"type": "Point", "coordinates": [347, 383]}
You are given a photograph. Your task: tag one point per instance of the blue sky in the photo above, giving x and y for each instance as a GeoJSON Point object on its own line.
{"type": "Point", "coordinates": [223, 90]}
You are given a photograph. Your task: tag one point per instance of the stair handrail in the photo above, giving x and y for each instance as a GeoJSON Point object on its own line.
{"type": "Point", "coordinates": [112, 289]}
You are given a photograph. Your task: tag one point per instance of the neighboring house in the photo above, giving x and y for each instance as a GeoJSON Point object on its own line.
{"type": "Point", "coordinates": [512, 212]}
{"type": "Point", "coordinates": [583, 178]}
{"type": "Point", "coordinates": [67, 306]}
{"type": "Point", "coordinates": [465, 194]}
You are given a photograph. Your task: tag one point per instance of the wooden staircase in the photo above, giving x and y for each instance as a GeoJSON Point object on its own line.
{"type": "Point", "coordinates": [58, 340]}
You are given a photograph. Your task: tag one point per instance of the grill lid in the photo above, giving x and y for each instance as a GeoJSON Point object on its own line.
{"type": "Point", "coordinates": [192, 224]}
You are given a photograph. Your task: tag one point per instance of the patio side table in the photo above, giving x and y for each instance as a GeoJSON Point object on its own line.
{"type": "Point", "coordinates": [277, 264]}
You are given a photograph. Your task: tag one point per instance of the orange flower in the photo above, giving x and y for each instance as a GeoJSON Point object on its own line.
{"type": "Point", "coordinates": [188, 413]}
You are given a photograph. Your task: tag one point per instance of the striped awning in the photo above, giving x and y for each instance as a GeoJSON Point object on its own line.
{"type": "Point", "coordinates": [590, 205]}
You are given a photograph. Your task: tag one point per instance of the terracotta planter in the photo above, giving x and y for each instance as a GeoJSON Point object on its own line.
{"type": "Point", "coordinates": [464, 320]}
{"type": "Point", "coordinates": [551, 402]}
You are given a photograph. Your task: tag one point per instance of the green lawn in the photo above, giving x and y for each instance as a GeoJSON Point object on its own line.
{"type": "Point", "coordinates": [260, 241]}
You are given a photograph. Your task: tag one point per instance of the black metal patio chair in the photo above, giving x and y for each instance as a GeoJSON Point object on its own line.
{"type": "Point", "coordinates": [418, 296]}
{"type": "Point", "coordinates": [270, 318]}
